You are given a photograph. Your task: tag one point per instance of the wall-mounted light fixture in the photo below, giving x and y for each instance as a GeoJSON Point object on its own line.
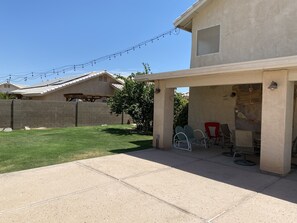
{"type": "Point", "coordinates": [233, 94]}
{"type": "Point", "coordinates": [273, 85]}
{"type": "Point", "coordinates": [157, 89]}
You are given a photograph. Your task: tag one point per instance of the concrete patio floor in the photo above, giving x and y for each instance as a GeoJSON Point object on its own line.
{"type": "Point", "coordinates": [149, 186]}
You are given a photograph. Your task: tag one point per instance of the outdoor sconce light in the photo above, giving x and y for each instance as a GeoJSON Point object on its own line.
{"type": "Point", "coordinates": [272, 86]}
{"type": "Point", "coordinates": [233, 94]}
{"type": "Point", "coordinates": [157, 90]}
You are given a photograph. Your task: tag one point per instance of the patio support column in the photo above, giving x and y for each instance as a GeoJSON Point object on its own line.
{"type": "Point", "coordinates": [277, 121]}
{"type": "Point", "coordinates": [163, 116]}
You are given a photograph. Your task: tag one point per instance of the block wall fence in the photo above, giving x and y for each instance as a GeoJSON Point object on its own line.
{"type": "Point", "coordinates": [17, 114]}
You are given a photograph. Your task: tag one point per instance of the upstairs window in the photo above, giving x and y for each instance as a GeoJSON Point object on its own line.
{"type": "Point", "coordinates": [208, 41]}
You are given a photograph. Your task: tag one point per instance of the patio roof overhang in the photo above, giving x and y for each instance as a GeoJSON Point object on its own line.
{"type": "Point", "coordinates": [233, 73]}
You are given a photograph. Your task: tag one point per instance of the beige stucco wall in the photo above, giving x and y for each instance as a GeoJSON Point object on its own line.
{"type": "Point", "coordinates": [212, 104]}
{"type": "Point", "coordinates": [89, 87]}
{"type": "Point", "coordinates": [163, 116]}
{"type": "Point", "coordinates": [277, 122]}
{"type": "Point", "coordinates": [250, 30]}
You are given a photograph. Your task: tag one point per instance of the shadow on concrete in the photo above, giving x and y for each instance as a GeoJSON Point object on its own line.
{"type": "Point", "coordinates": [213, 165]}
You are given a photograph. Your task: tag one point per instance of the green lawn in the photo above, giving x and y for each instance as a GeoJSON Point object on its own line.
{"type": "Point", "coordinates": [22, 149]}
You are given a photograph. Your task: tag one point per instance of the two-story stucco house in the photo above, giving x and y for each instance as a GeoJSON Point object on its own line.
{"type": "Point", "coordinates": [244, 60]}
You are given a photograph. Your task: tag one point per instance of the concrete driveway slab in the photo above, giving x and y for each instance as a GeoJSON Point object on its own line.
{"type": "Point", "coordinates": [163, 157]}
{"type": "Point", "coordinates": [276, 204]}
{"type": "Point", "coordinates": [224, 160]}
{"type": "Point", "coordinates": [26, 187]}
{"type": "Point", "coordinates": [203, 188]}
{"type": "Point", "coordinates": [200, 153]}
{"type": "Point", "coordinates": [133, 164]}
{"type": "Point", "coordinates": [292, 176]}
{"type": "Point", "coordinates": [107, 203]}
{"type": "Point", "coordinates": [148, 186]}
{"type": "Point", "coordinates": [283, 189]}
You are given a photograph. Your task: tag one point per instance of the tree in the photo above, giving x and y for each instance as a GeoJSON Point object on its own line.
{"type": "Point", "coordinates": [6, 96]}
{"type": "Point", "coordinates": [180, 110]}
{"type": "Point", "coordinates": [135, 99]}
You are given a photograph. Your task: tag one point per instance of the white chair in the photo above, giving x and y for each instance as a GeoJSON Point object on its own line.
{"type": "Point", "coordinates": [180, 139]}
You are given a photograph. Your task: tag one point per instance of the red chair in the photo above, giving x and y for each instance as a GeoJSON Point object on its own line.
{"type": "Point", "coordinates": [212, 130]}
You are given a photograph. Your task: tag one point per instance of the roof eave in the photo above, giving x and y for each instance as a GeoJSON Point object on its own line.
{"type": "Point", "coordinates": [27, 94]}
{"type": "Point", "coordinates": [185, 20]}
{"type": "Point", "coordinates": [267, 64]}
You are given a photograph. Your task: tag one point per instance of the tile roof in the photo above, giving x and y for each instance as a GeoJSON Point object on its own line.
{"type": "Point", "coordinates": [57, 84]}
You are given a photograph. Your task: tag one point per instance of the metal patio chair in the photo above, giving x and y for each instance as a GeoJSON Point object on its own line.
{"type": "Point", "coordinates": [180, 139]}
{"type": "Point", "coordinates": [244, 145]}
{"type": "Point", "coordinates": [227, 141]}
{"type": "Point", "coordinates": [185, 137]}
{"type": "Point", "coordinates": [196, 136]}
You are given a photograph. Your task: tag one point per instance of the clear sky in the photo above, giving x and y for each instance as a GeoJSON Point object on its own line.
{"type": "Point", "coordinates": [39, 35]}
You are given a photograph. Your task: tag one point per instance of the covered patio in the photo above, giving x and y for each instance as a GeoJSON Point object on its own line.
{"type": "Point", "coordinates": [277, 104]}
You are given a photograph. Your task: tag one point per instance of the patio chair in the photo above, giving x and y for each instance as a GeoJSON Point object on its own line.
{"type": "Point", "coordinates": [257, 142]}
{"type": "Point", "coordinates": [185, 137]}
{"type": "Point", "coordinates": [212, 130]}
{"type": "Point", "coordinates": [244, 145]}
{"type": "Point", "coordinates": [196, 136]}
{"type": "Point", "coordinates": [180, 139]}
{"type": "Point", "coordinates": [227, 140]}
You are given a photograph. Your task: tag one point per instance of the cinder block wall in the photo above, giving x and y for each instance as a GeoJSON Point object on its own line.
{"type": "Point", "coordinates": [52, 114]}
{"type": "Point", "coordinates": [43, 114]}
{"type": "Point", "coordinates": [5, 113]}
{"type": "Point", "coordinates": [97, 114]}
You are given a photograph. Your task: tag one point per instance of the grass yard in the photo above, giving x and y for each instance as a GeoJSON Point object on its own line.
{"type": "Point", "coordinates": [20, 150]}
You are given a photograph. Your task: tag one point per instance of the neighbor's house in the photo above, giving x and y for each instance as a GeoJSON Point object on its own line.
{"type": "Point", "coordinates": [8, 87]}
{"type": "Point", "coordinates": [94, 86]}
{"type": "Point", "coordinates": [241, 50]}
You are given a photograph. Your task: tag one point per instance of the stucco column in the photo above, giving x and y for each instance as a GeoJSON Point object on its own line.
{"type": "Point", "coordinates": [277, 121]}
{"type": "Point", "coordinates": [163, 116]}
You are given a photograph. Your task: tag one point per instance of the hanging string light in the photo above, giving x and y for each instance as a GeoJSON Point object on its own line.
{"type": "Point", "coordinates": [64, 69]}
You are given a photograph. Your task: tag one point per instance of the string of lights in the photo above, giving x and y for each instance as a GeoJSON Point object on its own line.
{"type": "Point", "coordinates": [25, 76]}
